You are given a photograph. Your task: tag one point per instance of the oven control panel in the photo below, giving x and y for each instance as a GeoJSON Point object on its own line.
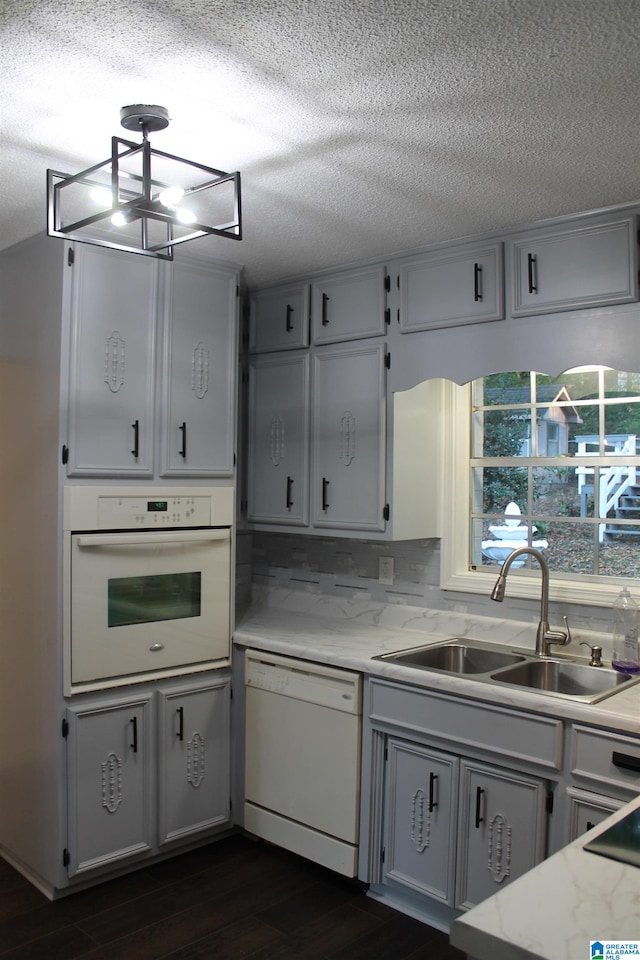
{"type": "Point", "coordinates": [145, 513]}
{"type": "Point", "coordinates": [146, 508]}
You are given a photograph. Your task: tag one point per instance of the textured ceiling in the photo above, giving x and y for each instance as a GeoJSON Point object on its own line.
{"type": "Point", "coordinates": [360, 127]}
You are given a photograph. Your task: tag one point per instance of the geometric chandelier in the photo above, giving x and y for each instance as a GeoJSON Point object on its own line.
{"type": "Point", "coordinates": [142, 200]}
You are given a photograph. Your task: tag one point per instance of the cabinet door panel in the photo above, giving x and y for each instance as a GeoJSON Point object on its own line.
{"type": "Point", "coordinates": [199, 372]}
{"type": "Point", "coordinates": [280, 319]}
{"type": "Point", "coordinates": [112, 364]}
{"type": "Point", "coordinates": [501, 831]}
{"type": "Point", "coordinates": [279, 439]}
{"type": "Point", "coordinates": [420, 828]}
{"type": "Point", "coordinates": [110, 816]}
{"type": "Point", "coordinates": [586, 810]}
{"type": "Point", "coordinates": [194, 760]}
{"type": "Point", "coordinates": [585, 265]}
{"type": "Point", "coordinates": [349, 437]}
{"type": "Point", "coordinates": [349, 306]}
{"type": "Point", "coordinates": [451, 287]}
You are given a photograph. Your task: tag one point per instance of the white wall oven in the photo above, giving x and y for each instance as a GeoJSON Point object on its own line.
{"type": "Point", "coordinates": [147, 583]}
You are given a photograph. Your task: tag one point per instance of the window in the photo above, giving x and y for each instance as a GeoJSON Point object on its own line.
{"type": "Point", "coordinates": [550, 462]}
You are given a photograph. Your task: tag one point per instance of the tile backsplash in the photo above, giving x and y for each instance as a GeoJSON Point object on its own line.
{"type": "Point", "coordinates": [349, 568]}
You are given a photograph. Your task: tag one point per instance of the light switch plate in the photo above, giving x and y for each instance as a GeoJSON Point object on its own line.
{"type": "Point", "coordinates": [385, 570]}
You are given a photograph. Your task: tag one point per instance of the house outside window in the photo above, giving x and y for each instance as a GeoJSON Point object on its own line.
{"type": "Point", "coordinates": [549, 462]}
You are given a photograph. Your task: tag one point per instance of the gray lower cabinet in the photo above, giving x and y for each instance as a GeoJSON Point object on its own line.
{"type": "Point", "coordinates": [501, 832]}
{"type": "Point", "coordinates": [146, 770]}
{"type": "Point", "coordinates": [587, 809]}
{"type": "Point", "coordinates": [455, 844]}
{"type": "Point", "coordinates": [110, 769]}
{"type": "Point", "coordinates": [421, 794]}
{"type": "Point", "coordinates": [588, 263]}
{"type": "Point", "coordinates": [448, 287]}
{"type": "Point", "coordinates": [604, 774]}
{"type": "Point", "coordinates": [193, 759]}
{"type": "Point", "coordinates": [456, 797]}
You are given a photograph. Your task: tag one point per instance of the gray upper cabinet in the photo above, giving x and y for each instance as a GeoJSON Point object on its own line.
{"type": "Point", "coordinates": [278, 454]}
{"type": "Point", "coordinates": [118, 407]}
{"type": "Point", "coordinates": [588, 263]}
{"type": "Point", "coordinates": [451, 286]}
{"type": "Point", "coordinates": [113, 304]}
{"type": "Point", "coordinates": [349, 305]}
{"type": "Point", "coordinates": [279, 319]}
{"type": "Point", "coordinates": [199, 352]}
{"type": "Point", "coordinates": [349, 391]}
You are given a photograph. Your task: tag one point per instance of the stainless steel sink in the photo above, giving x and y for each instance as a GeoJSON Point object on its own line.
{"type": "Point", "coordinates": [458, 655]}
{"type": "Point", "coordinates": [494, 664]}
{"type": "Point", "coordinates": [564, 678]}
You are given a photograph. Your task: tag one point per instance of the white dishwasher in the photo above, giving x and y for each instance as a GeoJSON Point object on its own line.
{"type": "Point", "coordinates": [302, 758]}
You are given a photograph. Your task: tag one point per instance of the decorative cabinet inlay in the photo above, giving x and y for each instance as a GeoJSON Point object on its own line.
{"type": "Point", "coordinates": [347, 437]}
{"type": "Point", "coordinates": [200, 371]}
{"type": "Point", "coordinates": [195, 760]}
{"type": "Point", "coordinates": [112, 783]}
{"type": "Point", "coordinates": [420, 828]}
{"type": "Point", "coordinates": [277, 440]}
{"type": "Point", "coordinates": [499, 848]}
{"type": "Point", "coordinates": [114, 355]}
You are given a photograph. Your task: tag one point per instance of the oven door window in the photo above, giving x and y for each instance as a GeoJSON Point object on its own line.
{"type": "Point", "coordinates": [152, 599]}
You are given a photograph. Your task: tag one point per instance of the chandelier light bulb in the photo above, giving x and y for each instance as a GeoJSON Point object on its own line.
{"type": "Point", "coordinates": [171, 196]}
{"type": "Point", "coordinates": [119, 219]}
{"type": "Point", "coordinates": [102, 196]}
{"type": "Point", "coordinates": [184, 215]}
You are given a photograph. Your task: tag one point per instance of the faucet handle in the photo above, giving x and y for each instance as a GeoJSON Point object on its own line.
{"type": "Point", "coordinates": [566, 623]}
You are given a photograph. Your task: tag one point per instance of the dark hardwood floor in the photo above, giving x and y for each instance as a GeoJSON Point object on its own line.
{"type": "Point", "coordinates": [232, 899]}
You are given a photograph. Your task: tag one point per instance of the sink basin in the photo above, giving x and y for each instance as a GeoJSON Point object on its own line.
{"type": "Point", "coordinates": [458, 655]}
{"type": "Point", "coordinates": [496, 664]}
{"type": "Point", "coordinates": [564, 678]}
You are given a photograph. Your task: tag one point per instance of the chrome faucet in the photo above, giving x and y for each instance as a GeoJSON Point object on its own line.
{"type": "Point", "coordinates": [544, 636]}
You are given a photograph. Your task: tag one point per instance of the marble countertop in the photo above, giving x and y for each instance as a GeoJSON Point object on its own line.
{"type": "Point", "coordinates": [554, 910]}
{"type": "Point", "coordinates": [348, 633]}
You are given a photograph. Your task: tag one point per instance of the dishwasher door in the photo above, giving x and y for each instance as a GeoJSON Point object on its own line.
{"type": "Point", "coordinates": [302, 757]}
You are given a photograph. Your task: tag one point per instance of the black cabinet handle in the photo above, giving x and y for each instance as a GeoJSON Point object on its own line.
{"type": "Point", "coordinates": [532, 267]}
{"type": "Point", "coordinates": [135, 426]}
{"type": "Point", "coordinates": [134, 742]}
{"type": "Point", "coordinates": [432, 780]}
{"type": "Point", "coordinates": [289, 488]}
{"type": "Point", "coordinates": [479, 819]}
{"type": "Point", "coordinates": [180, 733]}
{"type": "Point", "coordinates": [325, 318]}
{"type": "Point", "coordinates": [183, 449]}
{"type": "Point", "coordinates": [325, 488]}
{"type": "Point", "coordinates": [624, 761]}
{"type": "Point", "coordinates": [289, 324]}
{"type": "Point", "coordinates": [477, 282]}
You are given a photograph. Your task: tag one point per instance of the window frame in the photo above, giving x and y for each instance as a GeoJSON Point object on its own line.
{"type": "Point", "coordinates": [455, 574]}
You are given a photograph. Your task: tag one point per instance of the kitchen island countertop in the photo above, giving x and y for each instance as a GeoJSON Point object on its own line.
{"type": "Point", "coordinates": [555, 910]}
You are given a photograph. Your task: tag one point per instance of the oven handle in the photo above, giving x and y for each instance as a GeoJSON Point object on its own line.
{"type": "Point", "coordinates": [156, 539]}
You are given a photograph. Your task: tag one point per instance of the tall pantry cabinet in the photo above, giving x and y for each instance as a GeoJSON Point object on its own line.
{"type": "Point", "coordinates": [158, 323]}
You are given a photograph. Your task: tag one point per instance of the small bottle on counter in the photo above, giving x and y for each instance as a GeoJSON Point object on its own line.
{"type": "Point", "coordinates": [624, 657]}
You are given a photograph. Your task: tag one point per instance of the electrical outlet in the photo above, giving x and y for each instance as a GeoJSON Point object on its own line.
{"type": "Point", "coordinates": [385, 570]}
